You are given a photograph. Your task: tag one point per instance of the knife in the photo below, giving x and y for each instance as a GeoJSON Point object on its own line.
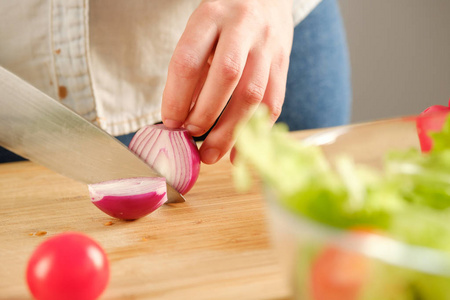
{"type": "Point", "coordinates": [43, 130]}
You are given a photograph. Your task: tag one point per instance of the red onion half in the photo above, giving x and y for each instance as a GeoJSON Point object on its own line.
{"type": "Point", "coordinates": [171, 152]}
{"type": "Point", "coordinates": [130, 198]}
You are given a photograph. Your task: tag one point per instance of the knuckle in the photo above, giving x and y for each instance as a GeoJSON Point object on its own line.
{"type": "Point", "coordinates": [185, 64]}
{"type": "Point", "coordinates": [210, 9]}
{"type": "Point", "coordinates": [225, 135]}
{"type": "Point", "coordinates": [246, 9]}
{"type": "Point", "coordinates": [208, 118]}
{"type": "Point", "coordinates": [274, 112]}
{"type": "Point", "coordinates": [230, 68]}
{"type": "Point", "coordinates": [228, 136]}
{"type": "Point", "coordinates": [253, 94]}
{"type": "Point", "coordinates": [268, 33]}
{"type": "Point", "coordinates": [282, 59]}
{"type": "Point", "coordinates": [248, 14]}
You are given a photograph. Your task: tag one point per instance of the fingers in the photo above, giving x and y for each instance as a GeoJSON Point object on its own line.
{"type": "Point", "coordinates": [187, 69]}
{"type": "Point", "coordinates": [247, 96]}
{"type": "Point", "coordinates": [200, 84]}
{"type": "Point", "coordinates": [232, 57]}
{"type": "Point", "coordinates": [276, 88]}
{"type": "Point", "coordinates": [224, 74]}
{"type": "Point", "coordinates": [273, 99]}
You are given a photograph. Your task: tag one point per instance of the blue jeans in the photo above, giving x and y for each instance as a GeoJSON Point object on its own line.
{"type": "Point", "coordinates": [318, 90]}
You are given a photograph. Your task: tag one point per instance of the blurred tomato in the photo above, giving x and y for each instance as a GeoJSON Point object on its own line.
{"type": "Point", "coordinates": [430, 120]}
{"type": "Point", "coordinates": [338, 274]}
{"type": "Point", "coordinates": [68, 266]}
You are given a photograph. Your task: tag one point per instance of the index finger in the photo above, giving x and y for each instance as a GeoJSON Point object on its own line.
{"type": "Point", "coordinates": [185, 68]}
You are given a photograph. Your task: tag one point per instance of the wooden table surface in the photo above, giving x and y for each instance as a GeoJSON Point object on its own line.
{"type": "Point", "coordinates": [213, 246]}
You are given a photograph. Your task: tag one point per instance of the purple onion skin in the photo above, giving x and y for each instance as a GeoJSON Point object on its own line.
{"type": "Point", "coordinates": [156, 143]}
{"type": "Point", "coordinates": [131, 207]}
{"type": "Point", "coordinates": [129, 198]}
{"type": "Point", "coordinates": [194, 164]}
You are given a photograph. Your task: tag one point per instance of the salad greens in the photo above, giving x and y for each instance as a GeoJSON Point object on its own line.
{"type": "Point", "coordinates": [408, 200]}
{"type": "Point", "coordinates": [441, 139]}
{"type": "Point", "coordinates": [412, 186]}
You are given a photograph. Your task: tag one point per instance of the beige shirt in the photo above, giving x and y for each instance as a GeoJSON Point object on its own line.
{"type": "Point", "coordinates": [105, 59]}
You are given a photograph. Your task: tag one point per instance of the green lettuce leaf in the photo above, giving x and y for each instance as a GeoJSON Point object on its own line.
{"type": "Point", "coordinates": [412, 186]}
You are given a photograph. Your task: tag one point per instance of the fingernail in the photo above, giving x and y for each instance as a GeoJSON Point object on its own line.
{"type": "Point", "coordinates": [210, 155]}
{"type": "Point", "coordinates": [194, 130]}
{"type": "Point", "coordinates": [172, 123]}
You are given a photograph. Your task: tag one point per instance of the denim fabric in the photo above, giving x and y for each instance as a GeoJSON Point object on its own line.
{"type": "Point", "coordinates": [318, 90]}
{"type": "Point", "coordinates": [126, 138]}
{"type": "Point", "coordinates": [7, 156]}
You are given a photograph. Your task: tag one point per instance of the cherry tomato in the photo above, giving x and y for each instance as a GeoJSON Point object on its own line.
{"type": "Point", "coordinates": [68, 266]}
{"type": "Point", "coordinates": [338, 274]}
{"type": "Point", "coordinates": [431, 119]}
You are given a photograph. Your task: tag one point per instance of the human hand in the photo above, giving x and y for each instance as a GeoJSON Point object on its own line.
{"type": "Point", "coordinates": [232, 56]}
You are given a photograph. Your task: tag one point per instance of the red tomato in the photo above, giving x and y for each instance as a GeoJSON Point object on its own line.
{"type": "Point", "coordinates": [431, 119]}
{"type": "Point", "coordinates": [68, 266]}
{"type": "Point", "coordinates": [338, 274]}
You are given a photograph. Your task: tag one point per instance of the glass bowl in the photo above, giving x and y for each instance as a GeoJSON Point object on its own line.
{"type": "Point", "coordinates": [326, 263]}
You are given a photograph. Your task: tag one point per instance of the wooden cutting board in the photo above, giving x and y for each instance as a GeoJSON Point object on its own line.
{"type": "Point", "coordinates": [213, 246]}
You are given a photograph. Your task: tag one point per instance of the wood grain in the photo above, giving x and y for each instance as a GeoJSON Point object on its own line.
{"type": "Point", "coordinates": [214, 246]}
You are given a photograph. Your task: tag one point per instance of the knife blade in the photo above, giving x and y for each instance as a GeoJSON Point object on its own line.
{"type": "Point", "coordinates": [43, 130]}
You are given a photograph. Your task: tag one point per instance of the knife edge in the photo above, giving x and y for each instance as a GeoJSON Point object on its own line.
{"type": "Point", "coordinates": [43, 130]}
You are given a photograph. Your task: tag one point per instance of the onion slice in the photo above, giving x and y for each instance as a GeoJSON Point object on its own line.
{"type": "Point", "coordinates": [130, 198]}
{"type": "Point", "coordinates": [173, 153]}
